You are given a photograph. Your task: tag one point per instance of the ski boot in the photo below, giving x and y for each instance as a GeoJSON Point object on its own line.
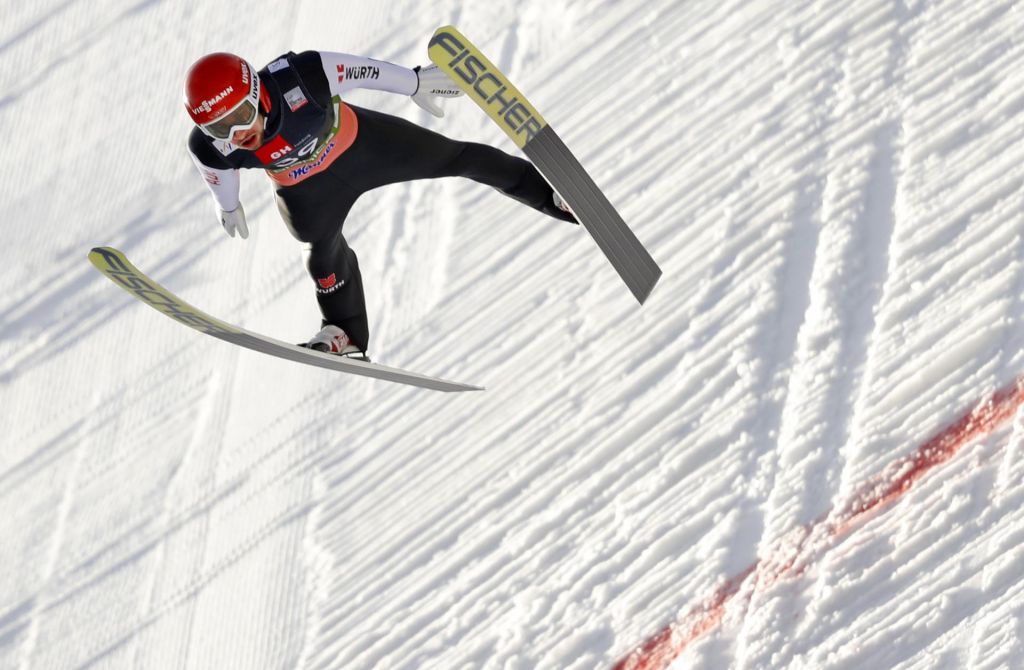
{"type": "Point", "coordinates": [333, 340]}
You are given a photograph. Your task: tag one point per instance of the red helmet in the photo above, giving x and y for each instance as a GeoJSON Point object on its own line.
{"type": "Point", "coordinates": [222, 94]}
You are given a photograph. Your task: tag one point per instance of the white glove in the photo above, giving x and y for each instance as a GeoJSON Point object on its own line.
{"type": "Point", "coordinates": [433, 83]}
{"type": "Point", "coordinates": [234, 221]}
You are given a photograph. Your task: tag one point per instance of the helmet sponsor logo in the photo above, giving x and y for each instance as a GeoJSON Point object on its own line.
{"type": "Point", "coordinates": [358, 72]}
{"type": "Point", "coordinates": [207, 105]}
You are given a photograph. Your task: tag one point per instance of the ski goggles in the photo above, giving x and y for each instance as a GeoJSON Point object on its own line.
{"type": "Point", "coordinates": [240, 117]}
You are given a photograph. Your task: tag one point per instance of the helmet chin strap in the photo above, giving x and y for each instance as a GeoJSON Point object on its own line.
{"type": "Point", "coordinates": [265, 99]}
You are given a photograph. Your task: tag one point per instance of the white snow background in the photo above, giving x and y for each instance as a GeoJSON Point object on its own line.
{"type": "Point", "coordinates": [834, 191]}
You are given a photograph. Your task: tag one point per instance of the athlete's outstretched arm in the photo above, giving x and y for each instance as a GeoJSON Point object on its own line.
{"type": "Point", "coordinates": [345, 72]}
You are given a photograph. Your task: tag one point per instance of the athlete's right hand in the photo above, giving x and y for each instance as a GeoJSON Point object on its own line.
{"type": "Point", "coordinates": [433, 83]}
{"type": "Point", "coordinates": [234, 221]}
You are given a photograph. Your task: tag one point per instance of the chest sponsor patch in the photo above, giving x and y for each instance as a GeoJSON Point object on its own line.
{"type": "Point", "coordinates": [295, 98]}
{"type": "Point", "coordinates": [225, 148]}
{"type": "Point", "coordinates": [278, 65]}
{"type": "Point", "coordinates": [273, 150]}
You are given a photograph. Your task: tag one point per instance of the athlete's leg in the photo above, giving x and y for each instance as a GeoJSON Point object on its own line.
{"type": "Point", "coordinates": [389, 150]}
{"type": "Point", "coordinates": [315, 211]}
{"type": "Point", "coordinates": [513, 176]}
{"type": "Point", "coordinates": [339, 288]}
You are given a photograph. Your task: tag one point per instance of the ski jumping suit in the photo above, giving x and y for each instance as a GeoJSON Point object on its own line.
{"type": "Point", "coordinates": [322, 154]}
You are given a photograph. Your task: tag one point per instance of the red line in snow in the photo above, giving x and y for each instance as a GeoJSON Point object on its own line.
{"type": "Point", "coordinates": [784, 558]}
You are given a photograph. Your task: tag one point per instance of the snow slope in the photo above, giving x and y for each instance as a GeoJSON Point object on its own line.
{"type": "Point", "coordinates": [803, 452]}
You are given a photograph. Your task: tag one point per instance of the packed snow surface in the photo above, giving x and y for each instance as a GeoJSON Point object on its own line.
{"type": "Point", "coordinates": [834, 191]}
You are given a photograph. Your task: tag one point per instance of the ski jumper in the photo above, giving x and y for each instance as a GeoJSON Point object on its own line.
{"type": "Point", "coordinates": [322, 154]}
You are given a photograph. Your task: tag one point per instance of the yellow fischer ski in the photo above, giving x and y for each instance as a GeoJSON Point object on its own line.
{"type": "Point", "coordinates": [485, 84]}
{"type": "Point", "coordinates": [119, 270]}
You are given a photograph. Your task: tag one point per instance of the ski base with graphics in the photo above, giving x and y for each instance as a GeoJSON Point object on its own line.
{"type": "Point", "coordinates": [471, 71]}
{"type": "Point", "coordinates": [116, 266]}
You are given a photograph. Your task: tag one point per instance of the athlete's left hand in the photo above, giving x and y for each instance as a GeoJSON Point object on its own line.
{"type": "Point", "coordinates": [433, 83]}
{"type": "Point", "coordinates": [234, 221]}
